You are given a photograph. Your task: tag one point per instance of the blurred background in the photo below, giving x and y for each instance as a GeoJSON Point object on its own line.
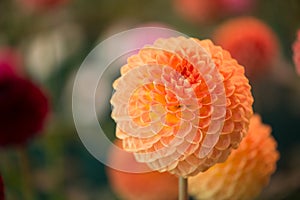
{"type": "Point", "coordinates": [51, 38]}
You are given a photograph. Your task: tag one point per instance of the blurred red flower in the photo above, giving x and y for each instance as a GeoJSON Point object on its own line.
{"type": "Point", "coordinates": [23, 108]}
{"type": "Point", "coordinates": [251, 42]}
{"type": "Point", "coordinates": [296, 53]}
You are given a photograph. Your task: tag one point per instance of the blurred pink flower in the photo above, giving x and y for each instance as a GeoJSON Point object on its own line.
{"type": "Point", "coordinates": [296, 53]}
{"type": "Point", "coordinates": [42, 5]}
{"type": "Point", "coordinates": [10, 61]}
{"type": "Point", "coordinates": [237, 6]}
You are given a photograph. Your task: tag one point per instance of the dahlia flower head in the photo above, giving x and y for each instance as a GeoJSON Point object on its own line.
{"type": "Point", "coordinates": [296, 53]}
{"type": "Point", "coordinates": [251, 42]}
{"type": "Point", "coordinates": [127, 185]}
{"type": "Point", "coordinates": [245, 172]}
{"type": "Point", "coordinates": [181, 105]}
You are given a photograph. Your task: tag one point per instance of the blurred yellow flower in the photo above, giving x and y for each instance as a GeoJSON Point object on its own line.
{"type": "Point", "coordinates": [246, 171]}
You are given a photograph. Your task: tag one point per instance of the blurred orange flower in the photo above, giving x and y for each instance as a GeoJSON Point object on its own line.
{"type": "Point", "coordinates": [205, 12]}
{"type": "Point", "coordinates": [245, 172]}
{"type": "Point", "coordinates": [198, 11]}
{"type": "Point", "coordinates": [249, 40]}
{"type": "Point", "coordinates": [139, 186]}
{"type": "Point", "coordinates": [181, 105]}
{"type": "Point", "coordinates": [296, 53]}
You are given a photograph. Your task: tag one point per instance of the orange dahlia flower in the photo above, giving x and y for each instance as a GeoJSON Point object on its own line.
{"type": "Point", "coordinates": [296, 52]}
{"type": "Point", "coordinates": [252, 42]}
{"type": "Point", "coordinates": [139, 186]}
{"type": "Point", "coordinates": [181, 105]}
{"type": "Point", "coordinates": [245, 172]}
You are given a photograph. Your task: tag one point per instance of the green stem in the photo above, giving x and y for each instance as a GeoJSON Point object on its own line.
{"type": "Point", "coordinates": [183, 189]}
